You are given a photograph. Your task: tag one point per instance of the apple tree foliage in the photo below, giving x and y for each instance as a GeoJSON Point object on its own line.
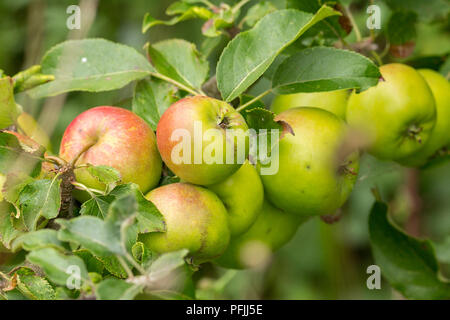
{"type": "Point", "coordinates": [95, 251]}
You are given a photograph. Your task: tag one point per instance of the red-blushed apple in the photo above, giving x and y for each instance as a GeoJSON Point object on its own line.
{"type": "Point", "coordinates": [316, 173]}
{"type": "Point", "coordinates": [113, 137]}
{"type": "Point", "coordinates": [196, 219]}
{"type": "Point", "coordinates": [242, 194]}
{"type": "Point", "coordinates": [202, 140]}
{"type": "Point", "coordinates": [272, 229]}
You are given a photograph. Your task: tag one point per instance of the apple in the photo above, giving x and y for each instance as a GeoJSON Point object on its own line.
{"type": "Point", "coordinates": [314, 177]}
{"type": "Point", "coordinates": [28, 126]}
{"type": "Point", "coordinates": [196, 220]}
{"type": "Point", "coordinates": [113, 137]}
{"type": "Point", "coordinates": [440, 136]}
{"type": "Point", "coordinates": [194, 137]}
{"type": "Point", "coordinates": [333, 101]}
{"type": "Point", "coordinates": [242, 194]}
{"type": "Point", "coordinates": [397, 115]}
{"type": "Point", "coordinates": [272, 229]}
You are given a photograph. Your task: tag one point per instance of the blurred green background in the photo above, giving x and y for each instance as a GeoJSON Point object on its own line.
{"type": "Point", "coordinates": [322, 261]}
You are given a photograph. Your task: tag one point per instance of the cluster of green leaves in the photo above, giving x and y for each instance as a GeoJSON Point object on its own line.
{"type": "Point", "coordinates": [99, 248]}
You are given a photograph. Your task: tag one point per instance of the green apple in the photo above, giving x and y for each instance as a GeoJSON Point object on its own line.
{"type": "Point", "coordinates": [314, 176]}
{"type": "Point", "coordinates": [113, 137]}
{"type": "Point", "coordinates": [194, 137]}
{"type": "Point", "coordinates": [333, 101]}
{"type": "Point", "coordinates": [242, 194]}
{"type": "Point", "coordinates": [397, 115]}
{"type": "Point", "coordinates": [272, 229]}
{"type": "Point", "coordinates": [195, 218]}
{"type": "Point", "coordinates": [440, 136]}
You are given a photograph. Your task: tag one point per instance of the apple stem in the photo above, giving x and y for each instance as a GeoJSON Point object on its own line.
{"type": "Point", "coordinates": [245, 105]}
{"type": "Point", "coordinates": [79, 154]}
{"type": "Point", "coordinates": [56, 160]}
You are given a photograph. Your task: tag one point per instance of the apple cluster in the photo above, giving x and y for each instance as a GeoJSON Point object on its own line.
{"type": "Point", "coordinates": [229, 212]}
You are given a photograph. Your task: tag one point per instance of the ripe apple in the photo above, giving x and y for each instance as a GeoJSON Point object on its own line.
{"type": "Point", "coordinates": [196, 220]}
{"type": "Point", "coordinates": [242, 194]}
{"type": "Point", "coordinates": [193, 142]}
{"type": "Point", "coordinates": [272, 229]}
{"type": "Point", "coordinates": [333, 101]}
{"type": "Point", "coordinates": [31, 128]}
{"type": "Point", "coordinates": [440, 136]}
{"type": "Point", "coordinates": [113, 137]}
{"type": "Point", "coordinates": [315, 175]}
{"type": "Point", "coordinates": [397, 115]}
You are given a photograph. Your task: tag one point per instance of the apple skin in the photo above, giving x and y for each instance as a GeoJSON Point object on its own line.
{"type": "Point", "coordinates": [273, 228]}
{"type": "Point", "coordinates": [333, 101]}
{"type": "Point", "coordinates": [440, 136]}
{"type": "Point", "coordinates": [310, 179]}
{"type": "Point", "coordinates": [31, 128]}
{"type": "Point", "coordinates": [196, 220]}
{"type": "Point", "coordinates": [212, 114]}
{"type": "Point", "coordinates": [242, 194]}
{"type": "Point", "coordinates": [397, 115]}
{"type": "Point", "coordinates": [119, 139]}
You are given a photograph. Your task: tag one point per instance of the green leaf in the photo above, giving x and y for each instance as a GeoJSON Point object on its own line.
{"type": "Point", "coordinates": [92, 65]}
{"type": "Point", "coordinates": [40, 198]}
{"type": "Point", "coordinates": [401, 27]}
{"type": "Point", "coordinates": [33, 286]}
{"type": "Point", "coordinates": [105, 174]}
{"type": "Point", "coordinates": [141, 253]}
{"type": "Point", "coordinates": [257, 12]}
{"type": "Point", "coordinates": [113, 266]}
{"type": "Point", "coordinates": [250, 53]}
{"type": "Point", "coordinates": [151, 98]}
{"type": "Point", "coordinates": [149, 219]}
{"type": "Point", "coordinates": [98, 236]}
{"type": "Point", "coordinates": [325, 69]}
{"type": "Point", "coordinates": [19, 154]}
{"type": "Point", "coordinates": [115, 289]}
{"type": "Point", "coordinates": [166, 264]}
{"type": "Point", "coordinates": [9, 111]}
{"type": "Point", "coordinates": [39, 239]}
{"type": "Point", "coordinates": [8, 231]}
{"type": "Point", "coordinates": [97, 206]}
{"type": "Point", "coordinates": [179, 60]}
{"type": "Point", "coordinates": [409, 264]}
{"type": "Point", "coordinates": [56, 265]}
{"type": "Point", "coordinates": [13, 185]}
{"type": "Point", "coordinates": [186, 13]}
{"type": "Point", "coordinates": [93, 264]}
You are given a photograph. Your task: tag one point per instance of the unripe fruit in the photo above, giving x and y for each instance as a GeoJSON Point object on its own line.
{"type": "Point", "coordinates": [195, 218]}
{"type": "Point", "coordinates": [186, 146]}
{"type": "Point", "coordinates": [397, 115]}
{"type": "Point", "coordinates": [113, 137]}
{"type": "Point", "coordinates": [315, 175]}
{"type": "Point", "coordinates": [440, 136]}
{"type": "Point", "coordinates": [242, 194]}
{"type": "Point", "coordinates": [333, 101]}
{"type": "Point", "coordinates": [272, 229]}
